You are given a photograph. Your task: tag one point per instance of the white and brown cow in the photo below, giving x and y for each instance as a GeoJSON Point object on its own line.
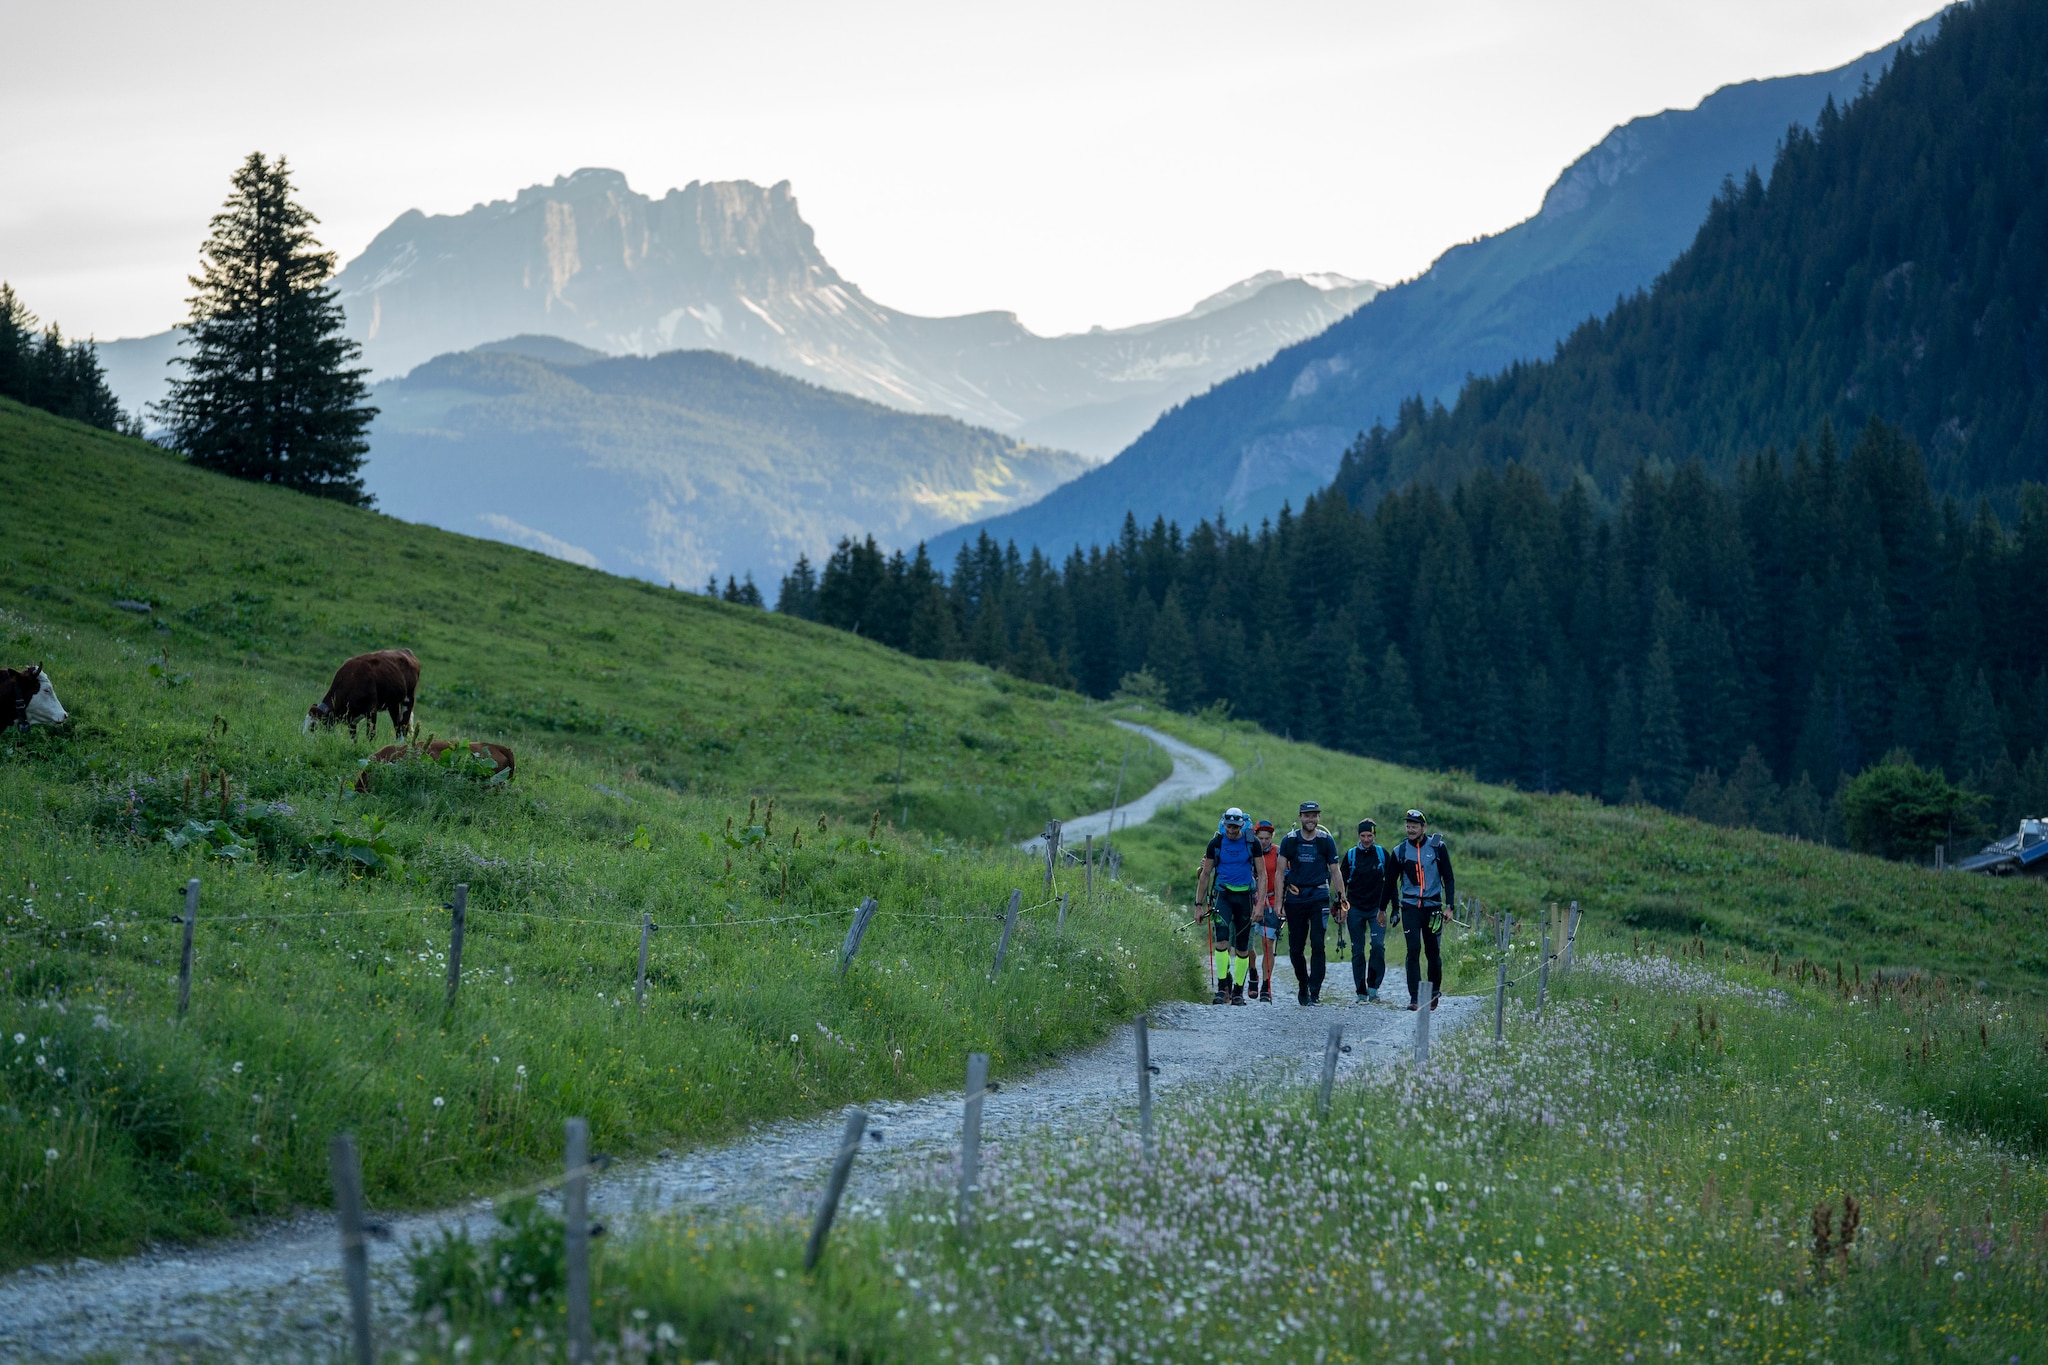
{"type": "Point", "coordinates": [497, 755]}
{"type": "Point", "coordinates": [388, 680]}
{"type": "Point", "coordinates": [27, 698]}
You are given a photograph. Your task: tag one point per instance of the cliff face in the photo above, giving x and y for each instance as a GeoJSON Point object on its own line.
{"type": "Point", "coordinates": [733, 267]}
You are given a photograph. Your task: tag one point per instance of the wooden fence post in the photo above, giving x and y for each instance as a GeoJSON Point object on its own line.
{"type": "Point", "coordinates": [1009, 925]}
{"type": "Point", "coordinates": [842, 1166]}
{"type": "Point", "coordinates": [1088, 865]}
{"type": "Point", "coordinates": [1543, 973]}
{"type": "Point", "coordinates": [1330, 1050]}
{"type": "Point", "coordinates": [460, 910]}
{"type": "Point", "coordinates": [347, 1173]}
{"type": "Point", "coordinates": [970, 1137]}
{"type": "Point", "coordinates": [191, 917]}
{"type": "Point", "coordinates": [640, 985]}
{"type": "Point", "coordinates": [576, 1238]}
{"type": "Point", "coordinates": [1142, 1033]}
{"type": "Point", "coordinates": [1425, 997]}
{"type": "Point", "coordinates": [1052, 851]}
{"type": "Point", "coordinates": [855, 932]}
{"type": "Point", "coordinates": [1571, 936]}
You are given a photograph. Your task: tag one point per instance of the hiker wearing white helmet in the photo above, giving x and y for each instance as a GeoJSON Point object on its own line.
{"type": "Point", "coordinates": [1231, 861]}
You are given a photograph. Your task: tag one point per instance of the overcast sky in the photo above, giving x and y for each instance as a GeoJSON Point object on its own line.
{"type": "Point", "coordinates": [1074, 161]}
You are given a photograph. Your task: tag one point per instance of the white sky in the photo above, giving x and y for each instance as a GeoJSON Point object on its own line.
{"type": "Point", "coordinates": [1074, 161]}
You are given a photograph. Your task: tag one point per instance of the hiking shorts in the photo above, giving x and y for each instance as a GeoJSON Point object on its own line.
{"type": "Point", "coordinates": [1234, 919]}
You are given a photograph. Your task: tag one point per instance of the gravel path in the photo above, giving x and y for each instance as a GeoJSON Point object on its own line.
{"type": "Point", "coordinates": [277, 1296]}
{"type": "Point", "coordinates": [1196, 772]}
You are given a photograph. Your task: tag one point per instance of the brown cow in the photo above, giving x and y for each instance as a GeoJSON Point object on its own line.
{"type": "Point", "coordinates": [388, 680]}
{"type": "Point", "coordinates": [497, 755]}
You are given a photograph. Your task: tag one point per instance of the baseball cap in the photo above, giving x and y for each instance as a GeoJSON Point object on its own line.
{"type": "Point", "coordinates": [1233, 816]}
{"type": "Point", "coordinates": [1263, 824]}
{"type": "Point", "coordinates": [1417, 817]}
{"type": "Point", "coordinates": [1364, 825]}
{"type": "Point", "coordinates": [1311, 808]}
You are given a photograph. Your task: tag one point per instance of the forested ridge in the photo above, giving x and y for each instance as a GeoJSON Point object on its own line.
{"type": "Point", "coordinates": [40, 368]}
{"type": "Point", "coordinates": [1896, 266]}
{"type": "Point", "coordinates": [1736, 648]}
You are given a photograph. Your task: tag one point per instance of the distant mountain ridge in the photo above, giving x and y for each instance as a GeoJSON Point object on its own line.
{"type": "Point", "coordinates": [1894, 269]}
{"type": "Point", "coordinates": [677, 466]}
{"type": "Point", "coordinates": [1610, 223]}
{"type": "Point", "coordinates": [732, 266]}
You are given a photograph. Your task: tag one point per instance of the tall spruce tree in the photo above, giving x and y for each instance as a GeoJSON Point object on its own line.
{"type": "Point", "coordinates": [270, 393]}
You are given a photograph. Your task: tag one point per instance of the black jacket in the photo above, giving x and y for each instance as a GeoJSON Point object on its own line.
{"type": "Point", "coordinates": [1368, 881]}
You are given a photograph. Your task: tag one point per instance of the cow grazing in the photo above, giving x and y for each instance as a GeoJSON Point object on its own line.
{"type": "Point", "coordinates": [497, 755]}
{"type": "Point", "coordinates": [27, 698]}
{"type": "Point", "coordinates": [388, 681]}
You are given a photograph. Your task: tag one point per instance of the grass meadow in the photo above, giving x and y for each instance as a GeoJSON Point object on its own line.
{"type": "Point", "coordinates": [1675, 1160]}
{"type": "Point", "coordinates": [731, 774]}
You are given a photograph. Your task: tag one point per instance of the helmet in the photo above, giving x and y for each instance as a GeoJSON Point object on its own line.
{"type": "Point", "coordinates": [1263, 824]}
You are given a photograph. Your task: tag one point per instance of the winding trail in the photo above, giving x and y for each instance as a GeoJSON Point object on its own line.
{"type": "Point", "coordinates": [277, 1295]}
{"type": "Point", "coordinates": [1196, 772]}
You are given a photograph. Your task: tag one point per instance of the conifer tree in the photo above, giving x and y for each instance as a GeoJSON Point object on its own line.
{"type": "Point", "coordinates": [1624, 737]}
{"type": "Point", "coordinates": [1400, 738]}
{"type": "Point", "coordinates": [270, 393]}
{"type": "Point", "coordinates": [1171, 657]}
{"type": "Point", "coordinates": [1661, 746]}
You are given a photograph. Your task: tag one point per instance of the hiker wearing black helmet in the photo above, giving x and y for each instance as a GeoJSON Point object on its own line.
{"type": "Point", "coordinates": [1306, 856]}
{"type": "Point", "coordinates": [1232, 861]}
{"type": "Point", "coordinates": [1368, 875]}
{"type": "Point", "coordinates": [1426, 886]}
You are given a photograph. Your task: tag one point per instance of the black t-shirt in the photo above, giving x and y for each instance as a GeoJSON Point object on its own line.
{"type": "Point", "coordinates": [1305, 864]}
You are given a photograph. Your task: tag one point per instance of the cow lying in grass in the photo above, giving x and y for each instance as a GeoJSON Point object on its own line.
{"type": "Point", "coordinates": [27, 698]}
{"type": "Point", "coordinates": [482, 754]}
{"type": "Point", "coordinates": [387, 680]}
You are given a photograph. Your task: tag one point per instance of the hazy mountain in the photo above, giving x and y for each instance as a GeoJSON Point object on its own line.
{"type": "Point", "coordinates": [733, 267]}
{"type": "Point", "coordinates": [676, 466]}
{"type": "Point", "coordinates": [1607, 227]}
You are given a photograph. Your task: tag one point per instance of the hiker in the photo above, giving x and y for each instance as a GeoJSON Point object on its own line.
{"type": "Point", "coordinates": [1368, 889]}
{"type": "Point", "coordinates": [1232, 865]}
{"type": "Point", "coordinates": [1422, 874]}
{"type": "Point", "coordinates": [1269, 907]}
{"type": "Point", "coordinates": [1306, 856]}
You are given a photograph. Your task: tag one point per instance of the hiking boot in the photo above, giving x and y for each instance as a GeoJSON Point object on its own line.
{"type": "Point", "coordinates": [1222, 997]}
{"type": "Point", "coordinates": [1237, 995]}
{"type": "Point", "coordinates": [1435, 1000]}
{"type": "Point", "coordinates": [1413, 1006]}
{"type": "Point", "coordinates": [1372, 995]}
{"type": "Point", "coordinates": [1301, 997]}
{"type": "Point", "coordinates": [1266, 993]}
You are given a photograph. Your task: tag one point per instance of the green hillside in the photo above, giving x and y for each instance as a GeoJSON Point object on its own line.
{"type": "Point", "coordinates": [1894, 267]}
{"type": "Point", "coordinates": [690, 693]}
{"type": "Point", "coordinates": [721, 770]}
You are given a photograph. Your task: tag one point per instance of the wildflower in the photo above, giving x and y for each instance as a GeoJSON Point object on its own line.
{"type": "Point", "coordinates": [50, 1154]}
{"type": "Point", "coordinates": [438, 1101]}
{"type": "Point", "coordinates": [237, 1068]}
{"type": "Point", "coordinates": [20, 1038]}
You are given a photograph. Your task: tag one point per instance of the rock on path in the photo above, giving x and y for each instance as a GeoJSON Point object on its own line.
{"type": "Point", "coordinates": [278, 1297]}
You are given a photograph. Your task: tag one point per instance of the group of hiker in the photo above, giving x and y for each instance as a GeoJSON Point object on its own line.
{"type": "Point", "coordinates": [1301, 881]}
